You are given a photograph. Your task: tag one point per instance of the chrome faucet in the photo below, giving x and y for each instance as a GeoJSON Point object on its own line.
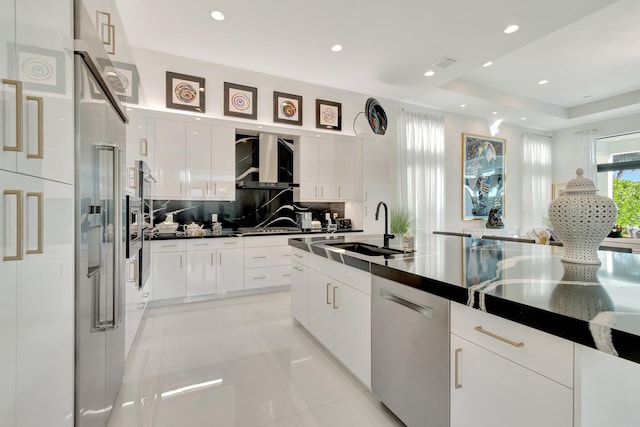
{"type": "Point", "coordinates": [387, 236]}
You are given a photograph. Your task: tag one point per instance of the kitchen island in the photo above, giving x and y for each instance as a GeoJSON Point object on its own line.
{"type": "Point", "coordinates": [587, 318]}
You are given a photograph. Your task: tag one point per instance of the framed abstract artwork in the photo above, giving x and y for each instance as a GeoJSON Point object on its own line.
{"type": "Point", "coordinates": [287, 108]}
{"type": "Point", "coordinates": [39, 69]}
{"type": "Point", "coordinates": [240, 101]}
{"type": "Point", "coordinates": [328, 115]}
{"type": "Point", "coordinates": [185, 92]}
{"type": "Point", "coordinates": [483, 175]}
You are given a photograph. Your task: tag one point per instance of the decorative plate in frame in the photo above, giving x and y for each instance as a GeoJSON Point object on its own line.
{"type": "Point", "coordinates": [287, 108]}
{"type": "Point", "coordinates": [328, 115]}
{"type": "Point", "coordinates": [240, 101]}
{"type": "Point", "coordinates": [185, 92]}
{"type": "Point", "coordinates": [38, 68]}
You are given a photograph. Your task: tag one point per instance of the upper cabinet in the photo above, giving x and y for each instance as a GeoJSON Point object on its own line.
{"type": "Point", "coordinates": [170, 159]}
{"type": "Point", "coordinates": [194, 161]}
{"type": "Point", "coordinates": [324, 168]}
{"type": "Point", "coordinates": [36, 108]}
{"type": "Point", "coordinates": [140, 145]}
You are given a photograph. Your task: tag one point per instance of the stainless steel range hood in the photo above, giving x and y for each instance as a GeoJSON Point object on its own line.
{"type": "Point", "coordinates": [269, 165]}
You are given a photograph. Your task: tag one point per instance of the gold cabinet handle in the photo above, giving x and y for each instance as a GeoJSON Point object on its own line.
{"type": "Point", "coordinates": [456, 373]}
{"type": "Point", "coordinates": [40, 211]}
{"type": "Point", "coordinates": [40, 153]}
{"type": "Point", "coordinates": [328, 286]}
{"type": "Point", "coordinates": [334, 297]}
{"type": "Point", "coordinates": [259, 257]}
{"type": "Point", "coordinates": [498, 337]}
{"type": "Point", "coordinates": [298, 268]}
{"type": "Point", "coordinates": [211, 259]}
{"type": "Point", "coordinates": [18, 86]}
{"type": "Point", "coordinates": [144, 147]}
{"type": "Point", "coordinates": [19, 213]}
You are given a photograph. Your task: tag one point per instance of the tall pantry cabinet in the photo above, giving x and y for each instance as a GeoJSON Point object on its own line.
{"type": "Point", "coordinates": [36, 213]}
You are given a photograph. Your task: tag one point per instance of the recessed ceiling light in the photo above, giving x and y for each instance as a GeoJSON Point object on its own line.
{"type": "Point", "coordinates": [523, 118]}
{"type": "Point", "coordinates": [217, 15]}
{"type": "Point", "coordinates": [487, 64]}
{"type": "Point", "coordinates": [463, 105]}
{"type": "Point", "coordinates": [587, 96]}
{"type": "Point", "coordinates": [543, 82]}
{"type": "Point", "coordinates": [336, 47]}
{"type": "Point", "coordinates": [511, 29]}
{"type": "Point", "coordinates": [197, 118]}
{"type": "Point", "coordinates": [494, 112]}
{"type": "Point", "coordinates": [430, 73]}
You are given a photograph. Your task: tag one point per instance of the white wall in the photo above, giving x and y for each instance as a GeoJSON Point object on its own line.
{"type": "Point", "coordinates": [152, 67]}
{"type": "Point", "coordinates": [566, 143]}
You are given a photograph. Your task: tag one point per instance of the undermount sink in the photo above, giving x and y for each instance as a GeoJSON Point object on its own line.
{"type": "Point", "coordinates": [365, 248]}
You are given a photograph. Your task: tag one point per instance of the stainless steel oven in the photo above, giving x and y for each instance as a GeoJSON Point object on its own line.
{"type": "Point", "coordinates": [134, 225]}
{"type": "Point", "coordinates": [144, 181]}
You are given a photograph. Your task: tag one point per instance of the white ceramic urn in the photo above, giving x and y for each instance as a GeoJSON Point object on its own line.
{"type": "Point", "coordinates": [582, 219]}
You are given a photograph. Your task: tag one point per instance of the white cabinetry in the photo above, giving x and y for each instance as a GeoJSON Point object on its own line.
{"type": "Point", "coordinates": [189, 268]}
{"type": "Point", "coordinates": [340, 313]}
{"type": "Point", "coordinates": [300, 286]}
{"type": "Point", "coordinates": [36, 301]}
{"type": "Point", "coordinates": [140, 144]}
{"type": "Point", "coordinates": [194, 160]}
{"type": "Point", "coordinates": [135, 302]}
{"type": "Point", "coordinates": [202, 261]}
{"type": "Point", "coordinates": [169, 273]}
{"type": "Point", "coordinates": [36, 214]}
{"type": "Point", "coordinates": [266, 266]}
{"type": "Point", "coordinates": [170, 157]}
{"type": "Point", "coordinates": [324, 168]}
{"type": "Point", "coordinates": [506, 374]}
{"type": "Point", "coordinates": [223, 164]}
{"type": "Point", "coordinates": [606, 389]}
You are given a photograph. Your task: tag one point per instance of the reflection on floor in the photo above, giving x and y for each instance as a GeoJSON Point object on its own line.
{"type": "Point", "coordinates": [237, 362]}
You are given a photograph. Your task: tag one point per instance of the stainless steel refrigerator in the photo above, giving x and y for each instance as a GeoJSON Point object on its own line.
{"type": "Point", "coordinates": [99, 238]}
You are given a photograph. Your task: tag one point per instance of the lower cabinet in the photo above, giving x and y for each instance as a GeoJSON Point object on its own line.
{"type": "Point", "coordinates": [300, 287]}
{"type": "Point", "coordinates": [170, 275]}
{"type": "Point", "coordinates": [135, 302]}
{"type": "Point", "coordinates": [340, 316]}
{"type": "Point", "coordinates": [506, 374]}
{"type": "Point", "coordinates": [230, 273]}
{"type": "Point", "coordinates": [267, 262]}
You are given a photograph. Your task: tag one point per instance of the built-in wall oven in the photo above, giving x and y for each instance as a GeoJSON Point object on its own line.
{"type": "Point", "coordinates": [134, 225]}
{"type": "Point", "coordinates": [144, 181]}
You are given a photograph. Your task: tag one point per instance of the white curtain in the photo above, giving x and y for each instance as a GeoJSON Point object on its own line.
{"type": "Point", "coordinates": [588, 154]}
{"type": "Point", "coordinates": [536, 179]}
{"type": "Point", "coordinates": [421, 168]}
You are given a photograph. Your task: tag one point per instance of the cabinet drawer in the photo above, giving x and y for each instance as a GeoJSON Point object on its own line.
{"type": "Point", "coordinates": [267, 276]}
{"type": "Point", "coordinates": [169, 245]}
{"type": "Point", "coordinates": [213, 243]}
{"type": "Point", "coordinates": [262, 241]}
{"type": "Point", "coordinates": [267, 257]}
{"type": "Point", "coordinates": [300, 256]}
{"type": "Point", "coordinates": [541, 352]}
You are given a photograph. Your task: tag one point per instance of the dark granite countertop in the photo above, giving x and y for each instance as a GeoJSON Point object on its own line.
{"type": "Point", "coordinates": [231, 233]}
{"type": "Point", "coordinates": [597, 306]}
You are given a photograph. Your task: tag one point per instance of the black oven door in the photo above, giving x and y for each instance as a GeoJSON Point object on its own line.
{"type": "Point", "coordinates": [134, 225]}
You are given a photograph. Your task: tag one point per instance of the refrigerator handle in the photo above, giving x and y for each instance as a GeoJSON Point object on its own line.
{"type": "Point", "coordinates": [119, 270]}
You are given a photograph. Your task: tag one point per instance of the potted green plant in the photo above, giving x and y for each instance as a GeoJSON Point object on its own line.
{"type": "Point", "coordinates": [402, 223]}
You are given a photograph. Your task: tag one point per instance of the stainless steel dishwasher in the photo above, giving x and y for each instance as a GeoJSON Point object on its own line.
{"type": "Point", "coordinates": [410, 353]}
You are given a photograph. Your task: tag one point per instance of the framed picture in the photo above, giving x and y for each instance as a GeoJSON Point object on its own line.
{"type": "Point", "coordinates": [328, 115]}
{"type": "Point", "coordinates": [39, 69]}
{"type": "Point", "coordinates": [185, 92]}
{"type": "Point", "coordinates": [483, 176]}
{"type": "Point", "coordinates": [240, 101]}
{"type": "Point", "coordinates": [557, 190]}
{"type": "Point", "coordinates": [287, 108]}
{"type": "Point", "coordinates": [123, 79]}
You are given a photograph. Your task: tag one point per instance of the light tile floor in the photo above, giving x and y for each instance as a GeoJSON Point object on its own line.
{"type": "Point", "coordinates": [237, 362]}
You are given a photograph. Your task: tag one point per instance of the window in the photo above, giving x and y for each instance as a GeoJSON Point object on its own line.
{"type": "Point", "coordinates": [619, 177]}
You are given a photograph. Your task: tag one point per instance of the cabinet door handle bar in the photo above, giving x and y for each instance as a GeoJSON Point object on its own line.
{"type": "Point", "coordinates": [457, 370]}
{"type": "Point", "coordinates": [498, 337]}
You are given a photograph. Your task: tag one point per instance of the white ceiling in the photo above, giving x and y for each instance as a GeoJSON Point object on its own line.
{"type": "Point", "coordinates": [589, 50]}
